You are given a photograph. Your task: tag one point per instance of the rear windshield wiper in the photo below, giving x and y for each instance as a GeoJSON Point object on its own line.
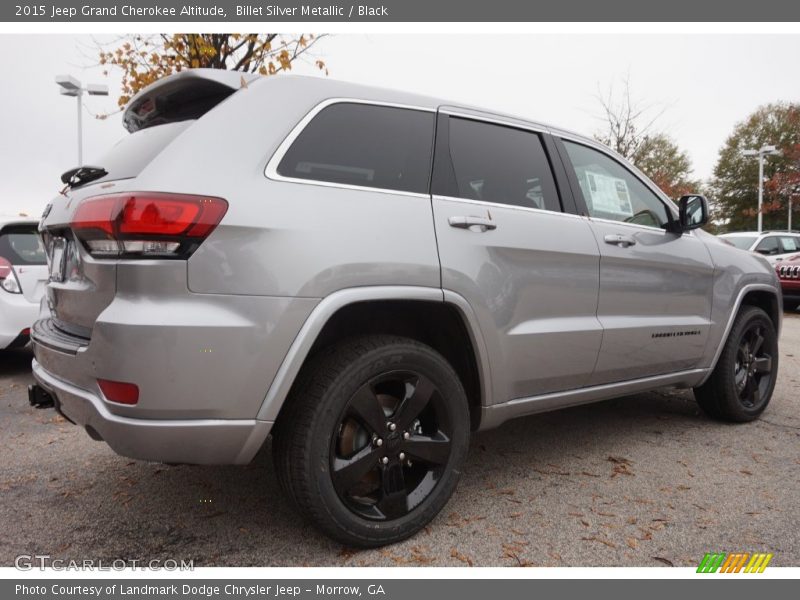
{"type": "Point", "coordinates": [81, 175]}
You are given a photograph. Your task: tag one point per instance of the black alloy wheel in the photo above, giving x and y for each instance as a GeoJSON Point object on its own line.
{"type": "Point", "coordinates": [391, 446]}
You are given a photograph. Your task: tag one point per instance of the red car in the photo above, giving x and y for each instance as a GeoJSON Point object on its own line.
{"type": "Point", "coordinates": [789, 273]}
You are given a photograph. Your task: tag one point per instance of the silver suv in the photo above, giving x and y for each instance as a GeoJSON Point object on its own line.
{"type": "Point", "coordinates": [369, 276]}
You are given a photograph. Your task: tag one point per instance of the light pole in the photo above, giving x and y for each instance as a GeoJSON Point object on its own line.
{"type": "Point", "coordinates": [761, 153]}
{"type": "Point", "coordinates": [795, 191]}
{"type": "Point", "coordinates": [72, 87]}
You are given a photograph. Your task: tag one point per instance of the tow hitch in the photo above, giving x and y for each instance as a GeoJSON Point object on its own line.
{"type": "Point", "coordinates": [39, 398]}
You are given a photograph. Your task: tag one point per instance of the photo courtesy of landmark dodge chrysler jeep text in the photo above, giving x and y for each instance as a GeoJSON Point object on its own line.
{"type": "Point", "coordinates": [369, 276]}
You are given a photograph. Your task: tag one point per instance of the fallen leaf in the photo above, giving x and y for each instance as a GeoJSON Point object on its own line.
{"type": "Point", "coordinates": [462, 557]}
{"type": "Point", "coordinates": [594, 538]}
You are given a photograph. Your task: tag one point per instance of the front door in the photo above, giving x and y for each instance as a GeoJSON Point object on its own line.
{"type": "Point", "coordinates": [655, 286]}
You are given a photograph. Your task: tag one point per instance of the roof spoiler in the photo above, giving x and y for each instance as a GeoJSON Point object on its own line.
{"type": "Point", "coordinates": [188, 94]}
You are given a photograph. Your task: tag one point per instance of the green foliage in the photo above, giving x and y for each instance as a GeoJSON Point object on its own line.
{"type": "Point", "coordinates": [734, 188]}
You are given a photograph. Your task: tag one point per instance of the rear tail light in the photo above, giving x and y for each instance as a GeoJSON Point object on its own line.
{"type": "Point", "coordinates": [146, 224]}
{"type": "Point", "coordinates": [119, 391]}
{"type": "Point", "coordinates": [8, 279]}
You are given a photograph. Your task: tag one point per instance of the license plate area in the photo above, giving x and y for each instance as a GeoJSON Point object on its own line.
{"type": "Point", "coordinates": [57, 258]}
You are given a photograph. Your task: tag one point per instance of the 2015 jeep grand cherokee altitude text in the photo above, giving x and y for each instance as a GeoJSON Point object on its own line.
{"type": "Point", "coordinates": [369, 276]}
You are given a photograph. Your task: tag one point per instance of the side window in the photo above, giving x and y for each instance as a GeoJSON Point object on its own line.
{"type": "Point", "coordinates": [500, 164]}
{"type": "Point", "coordinates": [789, 244]}
{"type": "Point", "coordinates": [364, 145]}
{"type": "Point", "coordinates": [613, 192]}
{"type": "Point", "coordinates": [769, 245]}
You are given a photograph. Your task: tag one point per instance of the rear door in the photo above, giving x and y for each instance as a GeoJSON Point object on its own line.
{"type": "Point", "coordinates": [528, 269]}
{"type": "Point", "coordinates": [655, 286]}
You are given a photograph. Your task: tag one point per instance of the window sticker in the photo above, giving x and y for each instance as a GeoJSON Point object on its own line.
{"type": "Point", "coordinates": [608, 194]}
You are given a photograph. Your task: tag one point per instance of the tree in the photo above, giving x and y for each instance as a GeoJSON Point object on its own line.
{"type": "Point", "coordinates": [627, 123]}
{"type": "Point", "coordinates": [143, 59]}
{"type": "Point", "coordinates": [629, 129]}
{"type": "Point", "coordinates": [735, 183]}
{"type": "Point", "coordinates": [659, 157]}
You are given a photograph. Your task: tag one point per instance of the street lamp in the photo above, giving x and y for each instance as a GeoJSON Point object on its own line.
{"type": "Point", "coordinates": [761, 153]}
{"type": "Point", "coordinates": [72, 87]}
{"type": "Point", "coordinates": [795, 191]}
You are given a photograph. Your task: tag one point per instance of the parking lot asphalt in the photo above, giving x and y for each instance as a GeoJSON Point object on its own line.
{"type": "Point", "coordinates": [645, 480]}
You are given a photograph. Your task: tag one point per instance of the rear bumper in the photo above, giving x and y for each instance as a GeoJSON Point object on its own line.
{"type": "Point", "coordinates": [196, 441]}
{"type": "Point", "coordinates": [202, 362]}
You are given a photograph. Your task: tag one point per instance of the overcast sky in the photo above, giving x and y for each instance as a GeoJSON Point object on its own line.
{"type": "Point", "coordinates": [706, 84]}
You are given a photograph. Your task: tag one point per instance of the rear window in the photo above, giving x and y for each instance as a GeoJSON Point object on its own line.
{"type": "Point", "coordinates": [21, 245]}
{"type": "Point", "coordinates": [364, 145]}
{"type": "Point", "coordinates": [128, 157]}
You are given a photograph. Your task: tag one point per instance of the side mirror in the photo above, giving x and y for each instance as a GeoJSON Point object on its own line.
{"type": "Point", "coordinates": [693, 212]}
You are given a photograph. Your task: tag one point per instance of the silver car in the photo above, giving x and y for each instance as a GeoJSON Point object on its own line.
{"type": "Point", "coordinates": [369, 276]}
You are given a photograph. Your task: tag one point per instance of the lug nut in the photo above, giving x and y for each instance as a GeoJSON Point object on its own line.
{"type": "Point", "coordinates": [402, 456]}
{"type": "Point", "coordinates": [379, 442]}
{"type": "Point", "coordinates": [391, 426]}
{"type": "Point", "coordinates": [406, 435]}
{"type": "Point", "coordinates": [385, 460]}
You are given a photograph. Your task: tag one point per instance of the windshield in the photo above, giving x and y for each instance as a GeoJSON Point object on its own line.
{"type": "Point", "coordinates": [21, 245]}
{"type": "Point", "coordinates": [744, 242]}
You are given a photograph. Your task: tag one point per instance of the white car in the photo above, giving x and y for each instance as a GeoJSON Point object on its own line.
{"type": "Point", "coordinates": [23, 277]}
{"type": "Point", "coordinates": [775, 246]}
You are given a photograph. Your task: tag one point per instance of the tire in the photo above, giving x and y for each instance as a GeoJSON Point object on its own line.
{"type": "Point", "coordinates": [740, 388]}
{"type": "Point", "coordinates": [333, 436]}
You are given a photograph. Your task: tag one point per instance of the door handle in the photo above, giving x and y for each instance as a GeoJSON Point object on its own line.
{"type": "Point", "coordinates": [623, 241]}
{"type": "Point", "coordinates": [480, 223]}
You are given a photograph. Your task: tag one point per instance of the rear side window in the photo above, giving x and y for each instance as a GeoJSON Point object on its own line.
{"type": "Point", "coordinates": [364, 145]}
{"type": "Point", "coordinates": [21, 245]}
{"type": "Point", "coordinates": [789, 244]}
{"type": "Point", "coordinates": [495, 163]}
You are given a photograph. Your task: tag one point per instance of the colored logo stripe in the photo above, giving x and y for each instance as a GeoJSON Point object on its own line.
{"type": "Point", "coordinates": [711, 562]}
{"type": "Point", "coordinates": [758, 563]}
{"type": "Point", "coordinates": [734, 562]}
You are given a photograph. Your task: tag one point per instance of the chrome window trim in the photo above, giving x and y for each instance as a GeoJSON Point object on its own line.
{"type": "Point", "coordinates": [638, 226]}
{"type": "Point", "coordinates": [271, 170]}
{"type": "Point", "coordinates": [490, 204]}
{"type": "Point", "coordinates": [496, 120]}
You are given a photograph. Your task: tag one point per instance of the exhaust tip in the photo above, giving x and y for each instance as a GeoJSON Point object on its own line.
{"type": "Point", "coordinates": [38, 397]}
